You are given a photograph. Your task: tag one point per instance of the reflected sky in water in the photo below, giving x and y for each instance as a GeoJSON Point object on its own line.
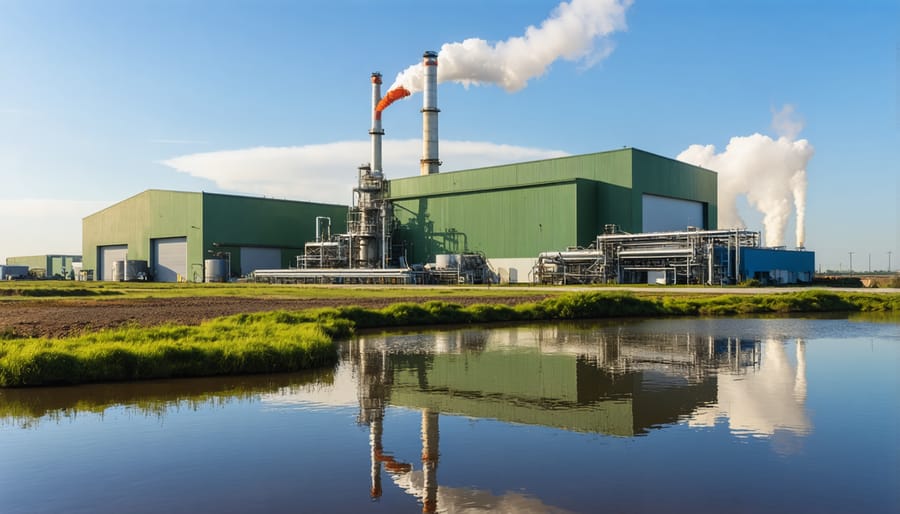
{"type": "Point", "coordinates": [682, 415]}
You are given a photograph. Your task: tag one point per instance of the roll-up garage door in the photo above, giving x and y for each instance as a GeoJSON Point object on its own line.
{"type": "Point", "coordinates": [662, 214]}
{"type": "Point", "coordinates": [259, 258]}
{"type": "Point", "coordinates": [106, 256]}
{"type": "Point", "coordinates": [170, 259]}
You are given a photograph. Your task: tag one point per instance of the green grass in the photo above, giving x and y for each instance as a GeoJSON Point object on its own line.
{"type": "Point", "coordinates": [288, 341]}
{"type": "Point", "coordinates": [264, 343]}
{"type": "Point", "coordinates": [39, 289]}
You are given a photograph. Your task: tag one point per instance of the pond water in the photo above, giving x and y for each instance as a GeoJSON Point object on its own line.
{"type": "Point", "coordinates": [686, 415]}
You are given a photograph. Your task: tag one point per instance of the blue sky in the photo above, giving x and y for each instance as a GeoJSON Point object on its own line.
{"type": "Point", "coordinates": [272, 98]}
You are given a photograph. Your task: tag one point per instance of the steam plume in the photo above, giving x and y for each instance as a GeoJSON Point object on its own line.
{"type": "Point", "coordinates": [571, 33]}
{"type": "Point", "coordinates": [771, 173]}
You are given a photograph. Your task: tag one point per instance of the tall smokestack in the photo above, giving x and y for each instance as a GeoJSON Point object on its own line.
{"type": "Point", "coordinates": [430, 162]}
{"type": "Point", "coordinates": [376, 131]}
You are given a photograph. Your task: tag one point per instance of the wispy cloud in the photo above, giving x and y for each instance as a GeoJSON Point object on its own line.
{"type": "Point", "coordinates": [327, 172]}
{"type": "Point", "coordinates": [38, 226]}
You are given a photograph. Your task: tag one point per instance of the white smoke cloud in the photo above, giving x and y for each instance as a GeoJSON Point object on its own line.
{"type": "Point", "coordinates": [327, 172]}
{"type": "Point", "coordinates": [571, 32]}
{"type": "Point", "coordinates": [771, 173]}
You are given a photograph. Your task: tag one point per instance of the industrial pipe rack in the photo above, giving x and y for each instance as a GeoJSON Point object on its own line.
{"type": "Point", "coordinates": [692, 256]}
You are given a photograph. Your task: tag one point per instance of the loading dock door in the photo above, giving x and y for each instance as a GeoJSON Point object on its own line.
{"type": "Point", "coordinates": [170, 259]}
{"type": "Point", "coordinates": [259, 258]}
{"type": "Point", "coordinates": [662, 214]}
{"type": "Point", "coordinates": [106, 256]}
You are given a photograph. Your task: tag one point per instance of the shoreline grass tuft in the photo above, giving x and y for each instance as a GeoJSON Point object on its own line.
{"type": "Point", "coordinates": [281, 341]}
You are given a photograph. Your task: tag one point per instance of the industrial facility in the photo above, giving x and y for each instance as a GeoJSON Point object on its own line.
{"type": "Point", "coordinates": [621, 216]}
{"type": "Point", "coordinates": [171, 236]}
{"type": "Point", "coordinates": [41, 266]}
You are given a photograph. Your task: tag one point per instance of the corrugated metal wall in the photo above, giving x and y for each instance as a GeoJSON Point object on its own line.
{"type": "Point", "coordinates": [657, 175]}
{"type": "Point", "coordinates": [231, 222]}
{"type": "Point", "coordinates": [53, 265]}
{"type": "Point", "coordinates": [520, 210]}
{"type": "Point", "coordinates": [153, 214]}
{"type": "Point", "coordinates": [501, 223]}
{"type": "Point", "coordinates": [208, 221]}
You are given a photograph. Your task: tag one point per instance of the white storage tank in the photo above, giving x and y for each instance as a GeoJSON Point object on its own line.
{"type": "Point", "coordinates": [215, 270]}
{"type": "Point", "coordinates": [118, 271]}
{"type": "Point", "coordinates": [446, 261]}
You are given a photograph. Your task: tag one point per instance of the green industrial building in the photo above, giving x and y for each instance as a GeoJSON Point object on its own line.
{"type": "Point", "coordinates": [47, 266]}
{"type": "Point", "coordinates": [511, 213]}
{"type": "Point", "coordinates": [180, 235]}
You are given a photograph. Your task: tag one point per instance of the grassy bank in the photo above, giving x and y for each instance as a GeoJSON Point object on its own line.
{"type": "Point", "coordinates": [288, 341]}
{"type": "Point", "coordinates": [269, 343]}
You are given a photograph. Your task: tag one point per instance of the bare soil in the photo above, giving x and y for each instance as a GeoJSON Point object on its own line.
{"type": "Point", "coordinates": [65, 318]}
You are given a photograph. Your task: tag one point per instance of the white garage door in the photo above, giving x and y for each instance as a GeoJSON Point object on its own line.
{"type": "Point", "coordinates": [106, 256]}
{"type": "Point", "coordinates": [170, 259]}
{"type": "Point", "coordinates": [259, 258]}
{"type": "Point", "coordinates": [662, 214]}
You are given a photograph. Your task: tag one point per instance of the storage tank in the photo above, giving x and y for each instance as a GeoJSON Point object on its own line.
{"type": "Point", "coordinates": [215, 270]}
{"type": "Point", "coordinates": [118, 271]}
{"type": "Point", "coordinates": [446, 261]}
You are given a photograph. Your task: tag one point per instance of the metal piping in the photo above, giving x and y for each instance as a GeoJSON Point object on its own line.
{"type": "Point", "coordinates": [376, 131]}
{"type": "Point", "coordinates": [430, 162]}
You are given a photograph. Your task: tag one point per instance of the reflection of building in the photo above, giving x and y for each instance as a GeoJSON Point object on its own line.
{"type": "Point", "coordinates": [601, 382]}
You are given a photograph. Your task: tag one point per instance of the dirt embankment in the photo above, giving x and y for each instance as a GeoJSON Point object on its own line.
{"type": "Point", "coordinates": [62, 318]}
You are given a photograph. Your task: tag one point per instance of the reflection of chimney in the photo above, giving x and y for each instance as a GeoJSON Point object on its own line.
{"type": "Point", "coordinates": [376, 131]}
{"type": "Point", "coordinates": [429, 459]}
{"type": "Point", "coordinates": [376, 429]}
{"type": "Point", "coordinates": [430, 162]}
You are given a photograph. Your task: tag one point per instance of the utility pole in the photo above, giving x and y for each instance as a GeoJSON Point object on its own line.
{"type": "Point", "coordinates": [889, 260]}
{"type": "Point", "coordinates": [851, 262]}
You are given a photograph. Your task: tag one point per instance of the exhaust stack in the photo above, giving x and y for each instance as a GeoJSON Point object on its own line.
{"type": "Point", "coordinates": [429, 163]}
{"type": "Point", "coordinates": [376, 131]}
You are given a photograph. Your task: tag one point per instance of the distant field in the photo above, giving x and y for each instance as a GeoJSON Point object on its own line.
{"type": "Point", "coordinates": [124, 290]}
{"type": "Point", "coordinates": [34, 289]}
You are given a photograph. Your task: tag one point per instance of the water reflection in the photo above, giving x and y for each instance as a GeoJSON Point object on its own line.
{"type": "Point", "coordinates": [27, 407]}
{"type": "Point", "coordinates": [601, 380]}
{"type": "Point", "coordinates": [769, 399]}
{"type": "Point", "coordinates": [604, 381]}
{"type": "Point", "coordinates": [612, 380]}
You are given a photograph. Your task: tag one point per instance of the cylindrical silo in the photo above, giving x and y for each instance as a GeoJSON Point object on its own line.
{"type": "Point", "coordinates": [214, 270]}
